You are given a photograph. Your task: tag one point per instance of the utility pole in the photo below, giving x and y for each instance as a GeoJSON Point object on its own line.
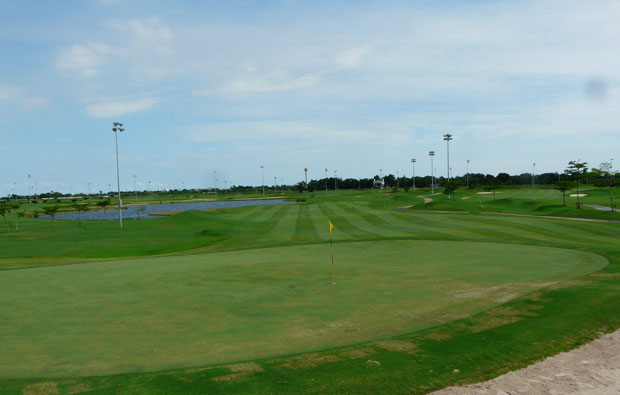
{"type": "Point", "coordinates": [135, 186]}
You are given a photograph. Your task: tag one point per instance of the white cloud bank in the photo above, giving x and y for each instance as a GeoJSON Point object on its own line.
{"type": "Point", "coordinates": [109, 109]}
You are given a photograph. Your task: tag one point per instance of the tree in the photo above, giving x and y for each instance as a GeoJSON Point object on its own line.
{"type": "Point", "coordinates": [450, 187]}
{"type": "Point", "coordinates": [141, 210]}
{"type": "Point", "coordinates": [493, 188]}
{"type": "Point", "coordinates": [51, 211]}
{"type": "Point", "coordinates": [503, 178]}
{"type": "Point", "coordinates": [576, 170]}
{"type": "Point", "coordinates": [80, 207]}
{"type": "Point", "coordinates": [563, 186]}
{"type": "Point", "coordinates": [104, 204]}
{"type": "Point", "coordinates": [15, 206]}
{"type": "Point", "coordinates": [5, 209]}
{"type": "Point", "coordinates": [608, 180]}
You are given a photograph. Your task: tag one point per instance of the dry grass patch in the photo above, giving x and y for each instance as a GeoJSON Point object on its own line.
{"type": "Point", "coordinates": [358, 353]}
{"type": "Point", "coordinates": [45, 388]}
{"type": "Point", "coordinates": [438, 336]}
{"type": "Point", "coordinates": [502, 316]}
{"type": "Point", "coordinates": [309, 361]}
{"type": "Point", "coordinates": [242, 371]}
{"type": "Point", "coordinates": [397, 346]}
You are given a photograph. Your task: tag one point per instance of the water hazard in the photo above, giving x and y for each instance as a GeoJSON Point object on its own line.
{"type": "Point", "coordinates": [146, 210]}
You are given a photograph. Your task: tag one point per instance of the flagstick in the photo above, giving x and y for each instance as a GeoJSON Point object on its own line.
{"type": "Point", "coordinates": [331, 246]}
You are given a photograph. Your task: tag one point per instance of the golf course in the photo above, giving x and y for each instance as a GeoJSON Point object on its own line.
{"type": "Point", "coordinates": [424, 292]}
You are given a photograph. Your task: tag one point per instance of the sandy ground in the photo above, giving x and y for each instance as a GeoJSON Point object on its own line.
{"type": "Point", "coordinates": [599, 207]}
{"type": "Point", "coordinates": [592, 369]}
{"type": "Point", "coordinates": [578, 195]}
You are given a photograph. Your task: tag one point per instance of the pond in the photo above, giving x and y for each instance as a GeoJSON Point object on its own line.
{"type": "Point", "coordinates": [145, 210]}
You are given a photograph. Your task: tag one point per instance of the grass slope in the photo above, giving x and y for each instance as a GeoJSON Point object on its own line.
{"type": "Point", "coordinates": [481, 345]}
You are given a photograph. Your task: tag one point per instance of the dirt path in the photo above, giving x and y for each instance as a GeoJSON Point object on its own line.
{"type": "Point", "coordinates": [588, 370]}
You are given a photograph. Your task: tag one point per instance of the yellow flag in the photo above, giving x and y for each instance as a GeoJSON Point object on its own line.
{"type": "Point", "coordinates": [331, 226]}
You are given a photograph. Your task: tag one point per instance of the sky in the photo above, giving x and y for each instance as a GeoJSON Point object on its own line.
{"type": "Point", "coordinates": [215, 89]}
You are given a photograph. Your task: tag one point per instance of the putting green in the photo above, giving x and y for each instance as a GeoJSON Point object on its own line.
{"type": "Point", "coordinates": [167, 312]}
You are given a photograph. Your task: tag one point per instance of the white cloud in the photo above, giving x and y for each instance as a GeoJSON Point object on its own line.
{"type": "Point", "coordinates": [115, 108]}
{"type": "Point", "coordinates": [82, 58]}
{"type": "Point", "coordinates": [248, 84]}
{"type": "Point", "coordinates": [149, 31]}
{"type": "Point", "coordinates": [8, 91]}
{"type": "Point", "coordinates": [34, 102]}
{"type": "Point", "coordinates": [352, 58]}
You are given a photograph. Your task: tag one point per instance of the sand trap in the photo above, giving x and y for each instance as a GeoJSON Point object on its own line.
{"type": "Point", "coordinates": [578, 195]}
{"type": "Point", "coordinates": [590, 369]}
{"type": "Point", "coordinates": [487, 193]}
{"type": "Point", "coordinates": [466, 197]}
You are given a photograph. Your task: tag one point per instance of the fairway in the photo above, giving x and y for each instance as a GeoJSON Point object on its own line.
{"type": "Point", "coordinates": [159, 313]}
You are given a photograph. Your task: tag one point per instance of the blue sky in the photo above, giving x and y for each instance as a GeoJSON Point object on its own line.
{"type": "Point", "coordinates": [353, 86]}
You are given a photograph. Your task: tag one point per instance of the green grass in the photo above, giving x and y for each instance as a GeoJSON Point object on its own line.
{"type": "Point", "coordinates": [420, 293]}
{"type": "Point", "coordinates": [103, 318]}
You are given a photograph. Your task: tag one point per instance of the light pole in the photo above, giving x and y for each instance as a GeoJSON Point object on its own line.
{"type": "Point", "coordinates": [431, 154]}
{"type": "Point", "coordinates": [262, 168]}
{"type": "Point", "coordinates": [413, 178]}
{"type": "Point", "coordinates": [447, 137]}
{"type": "Point", "coordinates": [533, 175]}
{"type": "Point", "coordinates": [335, 180]}
{"type": "Point", "coordinates": [118, 128]}
{"type": "Point", "coordinates": [467, 175]}
{"type": "Point", "coordinates": [325, 182]}
{"type": "Point", "coordinates": [29, 195]}
{"type": "Point", "coordinates": [397, 179]}
{"type": "Point", "coordinates": [88, 189]}
{"type": "Point", "coordinates": [135, 186]}
{"type": "Point", "coordinates": [150, 190]}
{"type": "Point", "coordinates": [275, 183]}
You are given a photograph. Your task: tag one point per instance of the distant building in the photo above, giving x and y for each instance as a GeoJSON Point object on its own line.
{"type": "Point", "coordinates": [379, 183]}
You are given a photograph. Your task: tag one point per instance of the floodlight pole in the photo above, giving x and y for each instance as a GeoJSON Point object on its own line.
{"type": "Point", "coordinates": [335, 181]}
{"type": "Point", "coordinates": [447, 137]}
{"type": "Point", "coordinates": [325, 182]}
{"type": "Point", "coordinates": [413, 178]}
{"type": "Point", "coordinates": [29, 194]}
{"type": "Point", "coordinates": [135, 186]}
{"type": "Point", "coordinates": [262, 169]}
{"type": "Point", "coordinates": [118, 128]}
{"type": "Point", "coordinates": [533, 175]}
{"type": "Point", "coordinates": [431, 154]}
{"type": "Point", "coordinates": [467, 175]}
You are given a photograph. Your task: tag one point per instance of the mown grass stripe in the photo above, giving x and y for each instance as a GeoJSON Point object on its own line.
{"type": "Point", "coordinates": [305, 230]}
{"type": "Point", "coordinates": [359, 217]}
{"type": "Point", "coordinates": [344, 225]}
{"type": "Point", "coordinates": [286, 225]}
